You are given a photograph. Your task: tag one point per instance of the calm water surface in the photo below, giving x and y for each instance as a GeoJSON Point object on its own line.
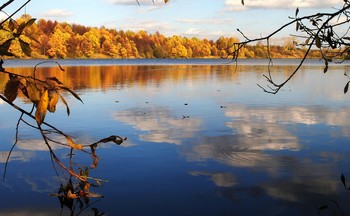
{"type": "Point", "coordinates": [203, 139]}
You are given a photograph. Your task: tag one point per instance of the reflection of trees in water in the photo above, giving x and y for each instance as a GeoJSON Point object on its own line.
{"type": "Point", "coordinates": [104, 77]}
{"type": "Point", "coordinates": [44, 94]}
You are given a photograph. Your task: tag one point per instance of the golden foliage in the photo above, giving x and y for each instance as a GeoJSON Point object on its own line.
{"type": "Point", "coordinates": [73, 145]}
{"type": "Point", "coordinates": [43, 94]}
{"type": "Point", "coordinates": [42, 107]}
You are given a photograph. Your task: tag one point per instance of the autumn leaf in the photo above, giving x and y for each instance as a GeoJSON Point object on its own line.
{"type": "Point", "coordinates": [71, 195]}
{"type": "Point", "coordinates": [4, 47]}
{"type": "Point", "coordinates": [42, 107]}
{"type": "Point", "coordinates": [53, 99]}
{"type": "Point", "coordinates": [326, 66]}
{"type": "Point", "coordinates": [73, 93]}
{"type": "Point", "coordinates": [24, 25]}
{"type": "Point", "coordinates": [87, 187]}
{"type": "Point", "coordinates": [34, 91]}
{"type": "Point", "coordinates": [318, 42]}
{"type": "Point", "coordinates": [13, 24]}
{"type": "Point", "coordinates": [307, 41]}
{"type": "Point", "coordinates": [166, 1]}
{"type": "Point", "coordinates": [65, 103]}
{"type": "Point", "coordinates": [296, 12]}
{"type": "Point", "coordinates": [346, 88]}
{"type": "Point", "coordinates": [11, 89]}
{"type": "Point", "coordinates": [73, 145]}
{"type": "Point", "coordinates": [25, 47]}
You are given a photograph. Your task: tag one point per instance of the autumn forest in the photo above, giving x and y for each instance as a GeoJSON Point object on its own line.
{"type": "Point", "coordinates": [51, 39]}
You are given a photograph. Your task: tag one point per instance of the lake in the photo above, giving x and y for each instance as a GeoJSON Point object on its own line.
{"type": "Point", "coordinates": [202, 139]}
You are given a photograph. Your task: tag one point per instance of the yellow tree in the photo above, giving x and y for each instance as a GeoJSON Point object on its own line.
{"type": "Point", "coordinates": [58, 43]}
{"type": "Point", "coordinates": [93, 36]}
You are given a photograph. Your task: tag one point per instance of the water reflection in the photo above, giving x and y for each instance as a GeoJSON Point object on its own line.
{"type": "Point", "coordinates": [159, 125]}
{"type": "Point", "coordinates": [16, 155]}
{"type": "Point", "coordinates": [235, 147]}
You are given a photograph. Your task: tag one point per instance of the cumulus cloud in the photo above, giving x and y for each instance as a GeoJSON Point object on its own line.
{"type": "Point", "coordinates": [58, 13]}
{"type": "Point", "coordinates": [193, 32]}
{"type": "Point", "coordinates": [234, 5]}
{"type": "Point", "coordinates": [217, 21]}
{"type": "Point", "coordinates": [133, 2]}
{"type": "Point", "coordinates": [149, 26]}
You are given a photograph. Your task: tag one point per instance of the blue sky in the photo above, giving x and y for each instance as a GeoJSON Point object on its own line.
{"type": "Point", "coordinates": [190, 18]}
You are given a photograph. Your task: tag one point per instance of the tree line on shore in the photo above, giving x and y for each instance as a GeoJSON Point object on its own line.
{"type": "Point", "coordinates": [52, 39]}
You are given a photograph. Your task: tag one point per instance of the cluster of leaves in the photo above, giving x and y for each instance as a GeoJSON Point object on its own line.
{"type": "Point", "coordinates": [15, 32]}
{"type": "Point", "coordinates": [320, 30]}
{"type": "Point", "coordinates": [43, 94]}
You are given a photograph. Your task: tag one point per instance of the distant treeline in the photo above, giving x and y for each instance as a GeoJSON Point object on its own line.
{"type": "Point", "coordinates": [51, 39]}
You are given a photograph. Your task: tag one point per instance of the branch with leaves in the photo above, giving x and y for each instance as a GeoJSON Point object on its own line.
{"type": "Point", "coordinates": [44, 96]}
{"type": "Point", "coordinates": [317, 30]}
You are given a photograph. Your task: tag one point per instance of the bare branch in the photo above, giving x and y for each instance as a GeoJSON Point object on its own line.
{"type": "Point", "coordinates": [319, 32]}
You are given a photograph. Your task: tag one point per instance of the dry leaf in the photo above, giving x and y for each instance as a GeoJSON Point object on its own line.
{"type": "Point", "coordinates": [11, 89]}
{"type": "Point", "coordinates": [73, 145]}
{"type": "Point", "coordinates": [34, 91]}
{"type": "Point", "coordinates": [71, 195]}
{"type": "Point", "coordinates": [53, 99]}
{"type": "Point", "coordinates": [87, 187]}
{"type": "Point", "coordinates": [42, 107]}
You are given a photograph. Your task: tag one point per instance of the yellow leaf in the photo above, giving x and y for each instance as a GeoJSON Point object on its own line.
{"type": "Point", "coordinates": [78, 147]}
{"type": "Point", "coordinates": [34, 91]}
{"type": "Point", "coordinates": [65, 103]}
{"type": "Point", "coordinates": [53, 99]}
{"type": "Point", "coordinates": [42, 107]}
{"type": "Point", "coordinates": [71, 195]}
{"type": "Point", "coordinates": [73, 145]}
{"type": "Point", "coordinates": [87, 187]}
{"type": "Point", "coordinates": [11, 89]}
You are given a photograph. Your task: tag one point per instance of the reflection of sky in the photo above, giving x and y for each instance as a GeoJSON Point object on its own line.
{"type": "Point", "coordinates": [235, 142]}
{"type": "Point", "coordinates": [16, 155]}
{"type": "Point", "coordinates": [159, 125]}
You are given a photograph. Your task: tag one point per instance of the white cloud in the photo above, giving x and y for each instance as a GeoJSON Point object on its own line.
{"type": "Point", "coordinates": [134, 2]}
{"type": "Point", "coordinates": [149, 26]}
{"type": "Point", "coordinates": [206, 21]}
{"type": "Point", "coordinates": [193, 32]}
{"type": "Point", "coordinates": [235, 5]}
{"type": "Point", "coordinates": [58, 13]}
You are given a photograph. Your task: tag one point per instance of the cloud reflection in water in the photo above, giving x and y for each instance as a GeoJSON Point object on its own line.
{"type": "Point", "coordinates": [160, 124]}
